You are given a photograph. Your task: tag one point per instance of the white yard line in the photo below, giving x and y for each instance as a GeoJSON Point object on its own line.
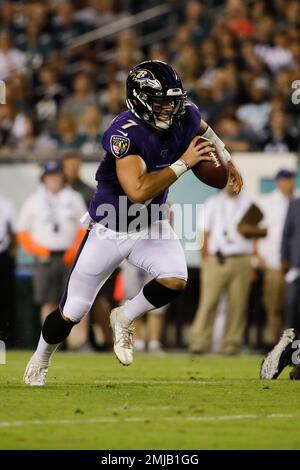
{"type": "Point", "coordinates": [164, 382]}
{"type": "Point", "coordinates": [142, 419]}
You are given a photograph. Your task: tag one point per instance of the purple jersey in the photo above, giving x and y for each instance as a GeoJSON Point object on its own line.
{"type": "Point", "coordinates": [128, 135]}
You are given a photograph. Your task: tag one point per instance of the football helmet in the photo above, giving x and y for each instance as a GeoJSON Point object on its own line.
{"type": "Point", "coordinates": [155, 94]}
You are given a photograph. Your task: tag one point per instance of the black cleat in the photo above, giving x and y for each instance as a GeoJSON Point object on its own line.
{"type": "Point", "coordinates": [279, 357]}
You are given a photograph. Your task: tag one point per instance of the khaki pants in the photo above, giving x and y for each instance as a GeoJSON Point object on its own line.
{"type": "Point", "coordinates": [273, 297]}
{"type": "Point", "coordinates": [232, 277]}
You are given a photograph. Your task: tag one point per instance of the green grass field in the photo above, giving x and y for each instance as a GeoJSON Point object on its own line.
{"type": "Point", "coordinates": [169, 402]}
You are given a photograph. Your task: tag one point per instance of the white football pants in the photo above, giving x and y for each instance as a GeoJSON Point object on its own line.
{"type": "Point", "coordinates": [157, 250]}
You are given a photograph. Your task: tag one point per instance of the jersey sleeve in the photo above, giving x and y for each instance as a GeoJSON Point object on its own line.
{"type": "Point", "coordinates": [122, 139]}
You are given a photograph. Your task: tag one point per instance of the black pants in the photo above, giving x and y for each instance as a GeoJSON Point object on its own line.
{"type": "Point", "coordinates": [292, 305]}
{"type": "Point", "coordinates": [7, 289]}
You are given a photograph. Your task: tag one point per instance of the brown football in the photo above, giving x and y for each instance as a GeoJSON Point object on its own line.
{"type": "Point", "coordinates": [213, 173]}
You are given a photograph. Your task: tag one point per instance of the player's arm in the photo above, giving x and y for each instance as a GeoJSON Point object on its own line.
{"type": "Point", "coordinates": [139, 185]}
{"type": "Point", "coordinates": [235, 178]}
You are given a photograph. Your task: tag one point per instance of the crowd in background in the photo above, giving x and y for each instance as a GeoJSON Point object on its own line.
{"type": "Point", "coordinates": [237, 59]}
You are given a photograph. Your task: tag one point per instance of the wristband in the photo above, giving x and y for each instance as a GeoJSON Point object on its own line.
{"type": "Point", "coordinates": [185, 162]}
{"type": "Point", "coordinates": [179, 167]}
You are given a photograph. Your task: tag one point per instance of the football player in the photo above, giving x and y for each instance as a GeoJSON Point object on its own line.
{"type": "Point", "coordinates": [147, 149]}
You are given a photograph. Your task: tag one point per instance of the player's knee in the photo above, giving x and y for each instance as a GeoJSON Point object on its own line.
{"type": "Point", "coordinates": [56, 327]}
{"type": "Point", "coordinates": [75, 308]}
{"type": "Point", "coordinates": [160, 294]}
{"type": "Point", "coordinates": [173, 283]}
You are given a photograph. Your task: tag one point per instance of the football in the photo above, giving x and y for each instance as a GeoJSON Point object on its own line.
{"type": "Point", "coordinates": [213, 173]}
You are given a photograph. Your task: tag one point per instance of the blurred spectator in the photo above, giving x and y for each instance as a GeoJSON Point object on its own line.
{"type": "Point", "coordinates": [86, 13]}
{"type": "Point", "coordinates": [291, 12]}
{"type": "Point", "coordinates": [255, 113]}
{"type": "Point", "coordinates": [279, 138]}
{"type": "Point", "coordinates": [224, 92]}
{"type": "Point", "coordinates": [274, 206]}
{"type": "Point", "coordinates": [10, 58]}
{"type": "Point", "coordinates": [13, 126]}
{"type": "Point", "coordinates": [65, 25]}
{"type": "Point", "coordinates": [67, 137]}
{"type": "Point", "coordinates": [157, 52]}
{"type": "Point", "coordinates": [7, 267]}
{"type": "Point", "coordinates": [48, 97]}
{"type": "Point", "coordinates": [107, 11]}
{"type": "Point", "coordinates": [275, 56]}
{"type": "Point", "coordinates": [127, 54]}
{"type": "Point", "coordinates": [264, 29]}
{"type": "Point", "coordinates": [26, 142]}
{"type": "Point", "coordinates": [282, 83]}
{"type": "Point", "coordinates": [6, 123]}
{"type": "Point", "coordinates": [82, 96]}
{"type": "Point", "coordinates": [237, 22]}
{"type": "Point", "coordinates": [187, 65]}
{"type": "Point", "coordinates": [35, 44]}
{"type": "Point", "coordinates": [251, 61]}
{"type": "Point", "coordinates": [196, 21]}
{"type": "Point", "coordinates": [227, 45]}
{"type": "Point", "coordinates": [71, 169]}
{"type": "Point", "coordinates": [235, 137]}
{"type": "Point", "coordinates": [91, 134]}
{"type": "Point", "coordinates": [18, 92]}
{"type": "Point", "coordinates": [8, 18]}
{"type": "Point", "coordinates": [50, 230]}
{"type": "Point", "coordinates": [181, 38]}
{"type": "Point", "coordinates": [225, 268]}
{"type": "Point", "coordinates": [209, 60]}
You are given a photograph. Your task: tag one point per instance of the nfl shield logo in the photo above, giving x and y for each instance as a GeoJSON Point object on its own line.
{"type": "Point", "coordinates": [119, 145]}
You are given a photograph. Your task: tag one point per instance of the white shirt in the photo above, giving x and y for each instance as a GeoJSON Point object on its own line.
{"type": "Point", "coordinates": [275, 57]}
{"type": "Point", "coordinates": [254, 115]}
{"type": "Point", "coordinates": [7, 223]}
{"type": "Point", "coordinates": [11, 60]}
{"type": "Point", "coordinates": [52, 219]}
{"type": "Point", "coordinates": [222, 215]}
{"type": "Point", "coordinates": [274, 206]}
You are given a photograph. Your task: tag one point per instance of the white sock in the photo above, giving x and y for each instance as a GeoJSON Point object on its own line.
{"type": "Point", "coordinates": [154, 345]}
{"type": "Point", "coordinates": [45, 350]}
{"type": "Point", "coordinates": [137, 306]}
{"type": "Point", "coordinates": [139, 345]}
